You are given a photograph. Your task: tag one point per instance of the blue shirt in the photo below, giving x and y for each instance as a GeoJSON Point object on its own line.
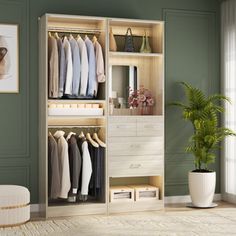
{"type": "Point", "coordinates": [92, 80]}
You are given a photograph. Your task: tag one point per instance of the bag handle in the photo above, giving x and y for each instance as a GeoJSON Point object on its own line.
{"type": "Point", "coordinates": [129, 31]}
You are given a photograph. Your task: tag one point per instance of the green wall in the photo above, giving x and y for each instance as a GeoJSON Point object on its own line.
{"type": "Point", "coordinates": [192, 54]}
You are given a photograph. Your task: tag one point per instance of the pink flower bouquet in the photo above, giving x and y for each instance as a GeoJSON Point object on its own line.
{"type": "Point", "coordinates": [140, 98]}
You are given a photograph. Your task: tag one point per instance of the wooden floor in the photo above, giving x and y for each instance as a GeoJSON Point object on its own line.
{"type": "Point", "coordinates": [176, 219]}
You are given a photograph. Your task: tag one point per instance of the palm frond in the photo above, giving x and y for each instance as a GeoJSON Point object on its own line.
{"type": "Point", "coordinates": [179, 104]}
{"type": "Point", "coordinates": [203, 112]}
{"type": "Point", "coordinates": [218, 97]}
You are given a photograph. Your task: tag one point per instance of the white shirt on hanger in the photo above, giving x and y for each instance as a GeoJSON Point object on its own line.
{"type": "Point", "coordinates": [64, 167]}
{"type": "Point", "coordinates": [69, 66]}
{"type": "Point", "coordinates": [86, 169]}
{"type": "Point", "coordinates": [84, 66]}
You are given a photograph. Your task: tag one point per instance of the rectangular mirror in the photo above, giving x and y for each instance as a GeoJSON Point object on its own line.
{"type": "Point", "coordinates": [122, 79]}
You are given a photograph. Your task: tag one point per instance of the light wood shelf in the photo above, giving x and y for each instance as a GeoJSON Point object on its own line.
{"type": "Point", "coordinates": [75, 101]}
{"type": "Point", "coordinates": [84, 121]}
{"type": "Point", "coordinates": [75, 117]}
{"type": "Point", "coordinates": [135, 54]}
{"type": "Point", "coordinates": [77, 209]}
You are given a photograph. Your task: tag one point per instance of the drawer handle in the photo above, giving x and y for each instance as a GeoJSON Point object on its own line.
{"type": "Point", "coordinates": [135, 166]}
{"type": "Point", "coordinates": [122, 127]}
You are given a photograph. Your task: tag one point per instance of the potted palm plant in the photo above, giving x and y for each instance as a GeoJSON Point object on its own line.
{"type": "Point", "coordinates": [203, 113]}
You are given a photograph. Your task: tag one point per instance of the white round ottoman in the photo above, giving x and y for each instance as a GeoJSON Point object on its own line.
{"type": "Point", "coordinates": [14, 205]}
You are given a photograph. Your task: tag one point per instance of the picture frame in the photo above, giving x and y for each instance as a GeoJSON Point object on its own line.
{"type": "Point", "coordinates": [9, 58]}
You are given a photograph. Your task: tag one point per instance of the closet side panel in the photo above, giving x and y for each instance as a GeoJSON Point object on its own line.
{"type": "Point", "coordinates": [43, 115]}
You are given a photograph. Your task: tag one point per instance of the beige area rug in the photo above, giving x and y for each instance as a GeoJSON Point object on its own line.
{"type": "Point", "coordinates": [174, 221]}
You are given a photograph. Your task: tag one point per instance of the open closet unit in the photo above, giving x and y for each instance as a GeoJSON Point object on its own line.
{"type": "Point", "coordinates": [131, 136]}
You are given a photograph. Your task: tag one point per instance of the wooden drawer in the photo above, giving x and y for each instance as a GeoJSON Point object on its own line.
{"type": "Point", "coordinates": [118, 207]}
{"type": "Point", "coordinates": [150, 126]}
{"type": "Point", "coordinates": [122, 127]}
{"type": "Point", "coordinates": [122, 166]}
{"type": "Point", "coordinates": [119, 146]}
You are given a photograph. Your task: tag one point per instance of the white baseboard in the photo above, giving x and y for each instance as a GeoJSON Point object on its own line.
{"type": "Point", "coordinates": [231, 198]}
{"type": "Point", "coordinates": [186, 199]}
{"type": "Point", "coordinates": [34, 207]}
{"type": "Point", "coordinates": [217, 197]}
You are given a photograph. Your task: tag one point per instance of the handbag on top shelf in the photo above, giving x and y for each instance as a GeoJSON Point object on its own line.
{"type": "Point", "coordinates": [129, 44]}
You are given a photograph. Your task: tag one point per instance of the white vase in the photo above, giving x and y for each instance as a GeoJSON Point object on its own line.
{"type": "Point", "coordinates": [202, 188]}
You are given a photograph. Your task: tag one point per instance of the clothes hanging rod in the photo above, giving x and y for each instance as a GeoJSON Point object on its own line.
{"type": "Point", "coordinates": [74, 30]}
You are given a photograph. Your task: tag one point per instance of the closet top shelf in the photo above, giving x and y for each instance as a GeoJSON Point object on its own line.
{"type": "Point", "coordinates": [133, 22]}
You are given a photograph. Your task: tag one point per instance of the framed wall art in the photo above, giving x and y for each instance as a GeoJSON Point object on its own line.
{"type": "Point", "coordinates": [9, 58]}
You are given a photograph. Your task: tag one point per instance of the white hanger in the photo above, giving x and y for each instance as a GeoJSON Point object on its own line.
{"type": "Point", "coordinates": [81, 135]}
{"type": "Point", "coordinates": [69, 135]}
{"type": "Point", "coordinates": [88, 137]}
{"type": "Point", "coordinates": [59, 133]}
{"type": "Point", "coordinates": [99, 141]}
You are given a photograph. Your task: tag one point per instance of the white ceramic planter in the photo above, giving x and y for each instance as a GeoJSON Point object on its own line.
{"type": "Point", "coordinates": [202, 188]}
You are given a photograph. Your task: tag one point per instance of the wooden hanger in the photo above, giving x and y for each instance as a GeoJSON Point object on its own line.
{"type": "Point", "coordinates": [88, 137]}
{"type": "Point", "coordinates": [94, 39]}
{"type": "Point", "coordinates": [49, 34]}
{"type": "Point", "coordinates": [56, 35]}
{"type": "Point", "coordinates": [71, 36]}
{"type": "Point", "coordinates": [99, 141]}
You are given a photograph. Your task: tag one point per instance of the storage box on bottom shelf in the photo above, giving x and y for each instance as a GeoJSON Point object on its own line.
{"type": "Point", "coordinates": [145, 192]}
{"type": "Point", "coordinates": [121, 194]}
{"type": "Point", "coordinates": [75, 111]}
